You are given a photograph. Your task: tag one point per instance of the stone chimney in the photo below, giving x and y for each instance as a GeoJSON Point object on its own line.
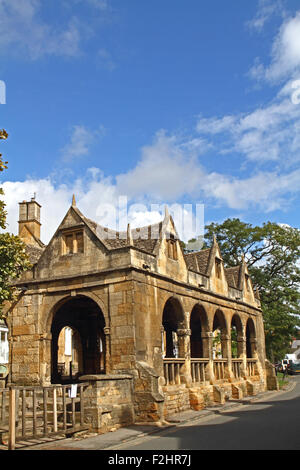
{"type": "Point", "coordinates": [29, 219]}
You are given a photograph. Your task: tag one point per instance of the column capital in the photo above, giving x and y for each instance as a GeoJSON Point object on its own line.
{"type": "Point", "coordinates": [184, 332]}
{"type": "Point", "coordinates": [207, 334]}
{"type": "Point", "coordinates": [106, 330]}
{"type": "Point", "coordinates": [224, 336]}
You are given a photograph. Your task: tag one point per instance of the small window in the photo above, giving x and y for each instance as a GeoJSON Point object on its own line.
{"type": "Point", "coordinates": [69, 243]}
{"type": "Point", "coordinates": [79, 242]}
{"type": "Point", "coordinates": [218, 268]}
{"type": "Point", "coordinates": [172, 247]}
{"type": "Point", "coordinates": [73, 243]}
{"type": "Point", "coordinates": [247, 281]}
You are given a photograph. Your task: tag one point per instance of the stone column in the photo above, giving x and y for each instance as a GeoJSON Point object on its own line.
{"type": "Point", "coordinates": [226, 353]}
{"type": "Point", "coordinates": [242, 353]}
{"type": "Point", "coordinates": [184, 346]}
{"type": "Point", "coordinates": [45, 359]}
{"type": "Point", "coordinates": [207, 338]}
{"type": "Point", "coordinates": [107, 363]}
{"type": "Point", "coordinates": [254, 354]}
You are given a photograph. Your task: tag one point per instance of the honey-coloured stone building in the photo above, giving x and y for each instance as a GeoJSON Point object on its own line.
{"type": "Point", "coordinates": [151, 329]}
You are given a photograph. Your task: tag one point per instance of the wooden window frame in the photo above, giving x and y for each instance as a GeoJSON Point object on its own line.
{"type": "Point", "coordinates": [218, 269]}
{"type": "Point", "coordinates": [172, 248]}
{"type": "Point", "coordinates": [74, 234]}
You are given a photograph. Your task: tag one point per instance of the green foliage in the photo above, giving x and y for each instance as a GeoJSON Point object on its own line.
{"type": "Point", "coordinates": [272, 255]}
{"type": "Point", "coordinates": [13, 257]}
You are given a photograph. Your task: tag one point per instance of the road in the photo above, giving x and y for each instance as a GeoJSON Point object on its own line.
{"type": "Point", "coordinates": [268, 424]}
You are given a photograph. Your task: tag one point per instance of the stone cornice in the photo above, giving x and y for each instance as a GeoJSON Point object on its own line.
{"type": "Point", "coordinates": [127, 268]}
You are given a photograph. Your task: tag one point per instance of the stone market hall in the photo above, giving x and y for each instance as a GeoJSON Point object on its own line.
{"type": "Point", "coordinates": [153, 330]}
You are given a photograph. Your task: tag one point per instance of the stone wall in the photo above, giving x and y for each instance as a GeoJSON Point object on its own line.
{"type": "Point", "coordinates": [108, 402]}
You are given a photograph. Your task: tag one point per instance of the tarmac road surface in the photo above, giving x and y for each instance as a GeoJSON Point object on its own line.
{"type": "Point", "coordinates": [270, 421]}
{"type": "Point", "coordinates": [268, 424]}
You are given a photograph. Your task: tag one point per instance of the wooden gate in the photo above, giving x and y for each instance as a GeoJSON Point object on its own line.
{"type": "Point", "coordinates": [38, 412]}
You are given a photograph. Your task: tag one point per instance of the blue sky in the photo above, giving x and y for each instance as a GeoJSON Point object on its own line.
{"type": "Point", "coordinates": [163, 102]}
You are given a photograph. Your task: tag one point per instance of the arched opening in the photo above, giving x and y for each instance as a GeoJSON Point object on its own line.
{"type": "Point", "coordinates": [173, 319]}
{"type": "Point", "coordinates": [69, 354]}
{"type": "Point", "coordinates": [236, 333]}
{"type": "Point", "coordinates": [198, 326]}
{"type": "Point", "coordinates": [219, 330]}
{"type": "Point", "coordinates": [78, 341]}
{"type": "Point", "coordinates": [250, 339]}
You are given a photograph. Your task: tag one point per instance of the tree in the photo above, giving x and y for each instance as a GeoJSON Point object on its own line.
{"type": "Point", "coordinates": [272, 255]}
{"type": "Point", "coordinates": [13, 256]}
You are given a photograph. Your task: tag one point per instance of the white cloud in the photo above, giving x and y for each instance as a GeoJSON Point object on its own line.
{"type": "Point", "coordinates": [23, 30]}
{"type": "Point", "coordinates": [268, 133]}
{"type": "Point", "coordinates": [266, 10]}
{"type": "Point", "coordinates": [166, 173]}
{"type": "Point", "coordinates": [80, 142]}
{"type": "Point", "coordinates": [285, 54]}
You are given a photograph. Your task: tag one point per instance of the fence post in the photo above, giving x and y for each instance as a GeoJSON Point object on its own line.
{"type": "Point", "coordinates": [12, 419]}
{"type": "Point", "coordinates": [54, 410]}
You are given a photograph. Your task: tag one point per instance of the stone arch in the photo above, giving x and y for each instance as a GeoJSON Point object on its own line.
{"type": "Point", "coordinates": [59, 301]}
{"type": "Point", "coordinates": [173, 319]}
{"type": "Point", "coordinates": [250, 338]}
{"type": "Point", "coordinates": [236, 326]}
{"type": "Point", "coordinates": [220, 333]}
{"type": "Point", "coordinates": [82, 314]}
{"type": "Point", "coordinates": [199, 328]}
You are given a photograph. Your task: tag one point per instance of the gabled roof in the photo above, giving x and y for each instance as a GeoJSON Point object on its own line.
{"type": "Point", "coordinates": [198, 261]}
{"type": "Point", "coordinates": [202, 261]}
{"type": "Point", "coordinates": [234, 276]}
{"type": "Point", "coordinates": [142, 238]}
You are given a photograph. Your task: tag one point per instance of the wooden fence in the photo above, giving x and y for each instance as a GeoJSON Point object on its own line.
{"type": "Point", "coordinates": [37, 412]}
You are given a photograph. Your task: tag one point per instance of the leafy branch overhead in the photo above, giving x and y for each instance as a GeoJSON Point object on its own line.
{"type": "Point", "coordinates": [272, 253]}
{"type": "Point", "coordinates": [13, 256]}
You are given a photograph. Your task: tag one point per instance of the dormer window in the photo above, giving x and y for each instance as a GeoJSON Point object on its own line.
{"type": "Point", "coordinates": [73, 242]}
{"type": "Point", "coordinates": [172, 247]}
{"type": "Point", "coordinates": [218, 269]}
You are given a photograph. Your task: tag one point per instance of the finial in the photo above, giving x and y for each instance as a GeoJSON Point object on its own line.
{"type": "Point", "coordinates": [129, 235]}
{"type": "Point", "coordinates": [73, 201]}
{"type": "Point", "coordinates": [167, 214]}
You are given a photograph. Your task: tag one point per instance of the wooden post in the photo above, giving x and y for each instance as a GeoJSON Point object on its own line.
{"type": "Point", "coordinates": [81, 406]}
{"type": "Point", "coordinates": [45, 396]}
{"type": "Point", "coordinates": [12, 419]}
{"type": "Point", "coordinates": [64, 407]}
{"type": "Point", "coordinates": [54, 410]}
{"type": "Point", "coordinates": [23, 412]}
{"type": "Point", "coordinates": [34, 423]}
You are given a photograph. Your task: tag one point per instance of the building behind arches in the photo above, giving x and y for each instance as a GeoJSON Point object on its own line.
{"type": "Point", "coordinates": [153, 330]}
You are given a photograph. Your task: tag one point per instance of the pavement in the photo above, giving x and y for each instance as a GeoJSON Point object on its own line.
{"type": "Point", "coordinates": [88, 441]}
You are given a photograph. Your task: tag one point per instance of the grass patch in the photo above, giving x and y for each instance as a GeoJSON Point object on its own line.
{"type": "Point", "coordinates": [282, 381]}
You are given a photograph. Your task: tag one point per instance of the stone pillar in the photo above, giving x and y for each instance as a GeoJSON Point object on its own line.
{"type": "Point", "coordinates": [207, 338]}
{"type": "Point", "coordinates": [184, 346]}
{"type": "Point", "coordinates": [242, 354]}
{"type": "Point", "coordinates": [45, 359]}
{"type": "Point", "coordinates": [226, 353]}
{"type": "Point", "coordinates": [106, 331]}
